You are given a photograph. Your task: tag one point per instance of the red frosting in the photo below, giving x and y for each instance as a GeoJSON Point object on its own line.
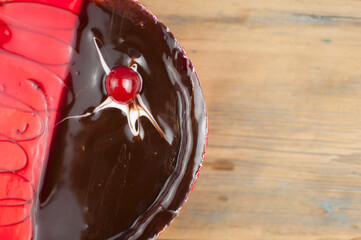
{"type": "Point", "coordinates": [36, 38]}
{"type": "Point", "coordinates": [71, 5]}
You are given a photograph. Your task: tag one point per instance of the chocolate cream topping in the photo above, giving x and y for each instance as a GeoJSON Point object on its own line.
{"type": "Point", "coordinates": [102, 181]}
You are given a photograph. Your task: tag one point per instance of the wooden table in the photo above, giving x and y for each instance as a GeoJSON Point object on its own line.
{"type": "Point", "coordinates": [282, 82]}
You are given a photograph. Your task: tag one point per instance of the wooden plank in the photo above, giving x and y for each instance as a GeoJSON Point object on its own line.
{"type": "Point", "coordinates": [282, 81]}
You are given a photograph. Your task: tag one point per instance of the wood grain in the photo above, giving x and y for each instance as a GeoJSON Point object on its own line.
{"type": "Point", "coordinates": [282, 82]}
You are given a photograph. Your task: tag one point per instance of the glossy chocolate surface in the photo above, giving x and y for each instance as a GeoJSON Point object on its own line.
{"type": "Point", "coordinates": [102, 182]}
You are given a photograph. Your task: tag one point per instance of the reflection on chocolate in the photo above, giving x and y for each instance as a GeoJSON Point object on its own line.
{"type": "Point", "coordinates": [101, 181]}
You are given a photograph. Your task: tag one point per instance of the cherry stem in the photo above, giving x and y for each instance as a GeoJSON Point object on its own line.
{"type": "Point", "coordinates": [131, 62]}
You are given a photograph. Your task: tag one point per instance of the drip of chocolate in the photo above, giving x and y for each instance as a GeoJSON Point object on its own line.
{"type": "Point", "coordinates": [101, 181]}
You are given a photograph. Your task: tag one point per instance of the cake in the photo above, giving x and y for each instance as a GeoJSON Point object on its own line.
{"type": "Point", "coordinates": [104, 117]}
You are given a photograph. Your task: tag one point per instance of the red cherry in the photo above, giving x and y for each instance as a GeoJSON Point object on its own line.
{"type": "Point", "coordinates": [123, 84]}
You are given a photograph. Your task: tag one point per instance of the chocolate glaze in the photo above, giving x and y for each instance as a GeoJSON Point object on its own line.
{"type": "Point", "coordinates": [101, 182]}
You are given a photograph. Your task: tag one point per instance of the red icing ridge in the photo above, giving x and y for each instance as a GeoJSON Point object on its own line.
{"type": "Point", "coordinates": [36, 40]}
